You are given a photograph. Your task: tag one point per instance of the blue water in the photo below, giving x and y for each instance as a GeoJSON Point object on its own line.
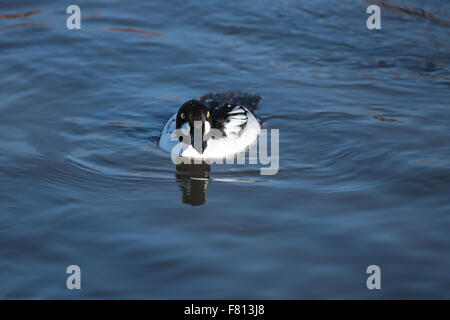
{"type": "Point", "coordinates": [364, 178]}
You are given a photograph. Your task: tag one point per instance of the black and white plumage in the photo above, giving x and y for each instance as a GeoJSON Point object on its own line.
{"type": "Point", "coordinates": [230, 114]}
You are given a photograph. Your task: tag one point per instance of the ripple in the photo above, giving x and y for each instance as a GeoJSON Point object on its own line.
{"type": "Point", "coordinates": [20, 15]}
{"type": "Point", "coordinates": [139, 31]}
{"type": "Point", "coordinates": [27, 25]}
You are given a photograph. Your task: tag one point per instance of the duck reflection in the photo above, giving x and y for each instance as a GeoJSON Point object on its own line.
{"type": "Point", "coordinates": [193, 180]}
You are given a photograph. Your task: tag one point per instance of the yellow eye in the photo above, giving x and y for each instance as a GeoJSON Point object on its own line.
{"type": "Point", "coordinates": [207, 114]}
{"type": "Point", "coordinates": [182, 116]}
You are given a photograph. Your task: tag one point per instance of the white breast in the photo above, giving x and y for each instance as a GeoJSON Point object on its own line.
{"type": "Point", "coordinates": [219, 148]}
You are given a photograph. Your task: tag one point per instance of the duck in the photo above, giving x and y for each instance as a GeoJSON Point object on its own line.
{"type": "Point", "coordinates": [217, 125]}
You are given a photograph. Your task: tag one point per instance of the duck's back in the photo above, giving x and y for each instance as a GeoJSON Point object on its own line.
{"type": "Point", "coordinates": [221, 99]}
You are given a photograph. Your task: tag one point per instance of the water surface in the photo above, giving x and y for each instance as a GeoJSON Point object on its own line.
{"type": "Point", "coordinates": [364, 173]}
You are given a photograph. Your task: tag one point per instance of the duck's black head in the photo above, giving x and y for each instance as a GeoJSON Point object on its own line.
{"type": "Point", "coordinates": [195, 118]}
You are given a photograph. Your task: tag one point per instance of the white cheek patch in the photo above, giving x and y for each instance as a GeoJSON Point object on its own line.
{"type": "Point", "coordinates": [207, 127]}
{"type": "Point", "coordinates": [186, 128]}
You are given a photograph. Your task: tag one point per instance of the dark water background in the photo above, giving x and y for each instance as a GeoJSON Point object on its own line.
{"type": "Point", "coordinates": [364, 120]}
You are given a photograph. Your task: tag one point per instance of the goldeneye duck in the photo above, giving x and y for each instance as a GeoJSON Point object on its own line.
{"type": "Point", "coordinates": [229, 114]}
